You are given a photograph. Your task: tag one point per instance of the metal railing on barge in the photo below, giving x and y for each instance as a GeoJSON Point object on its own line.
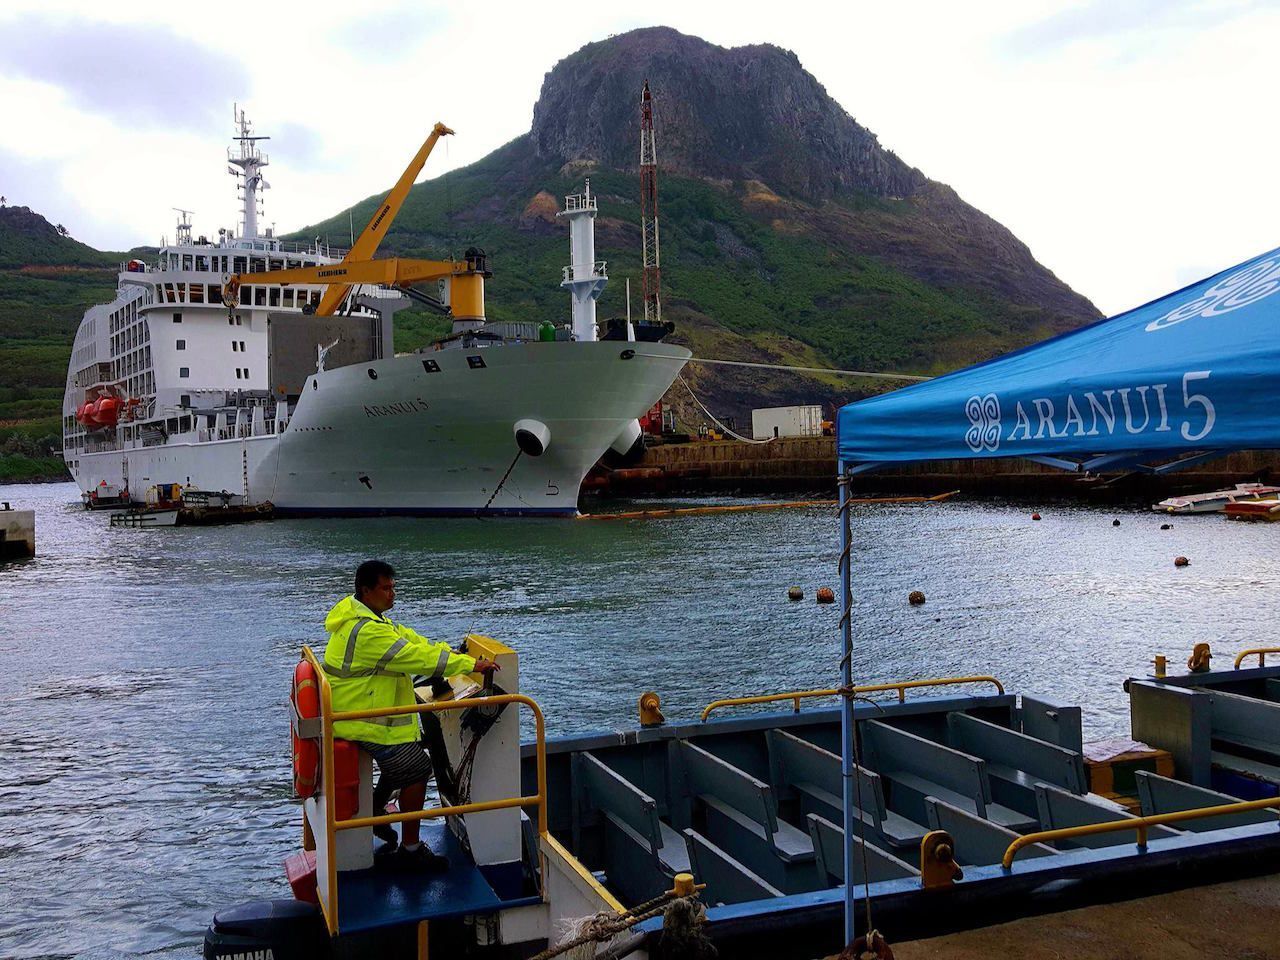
{"type": "Point", "coordinates": [901, 686]}
{"type": "Point", "coordinates": [332, 824]}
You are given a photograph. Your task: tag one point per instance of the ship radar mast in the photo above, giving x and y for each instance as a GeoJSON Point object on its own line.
{"type": "Point", "coordinates": [184, 226]}
{"type": "Point", "coordinates": [585, 277]}
{"type": "Point", "coordinates": [247, 167]}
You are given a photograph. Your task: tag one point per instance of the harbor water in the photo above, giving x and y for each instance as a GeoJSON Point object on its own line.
{"type": "Point", "coordinates": [144, 753]}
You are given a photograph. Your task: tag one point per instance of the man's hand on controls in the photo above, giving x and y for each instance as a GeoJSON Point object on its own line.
{"type": "Point", "coordinates": [486, 666]}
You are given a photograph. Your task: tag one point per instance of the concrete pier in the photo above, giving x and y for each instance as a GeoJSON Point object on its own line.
{"type": "Point", "coordinates": [1235, 919]}
{"type": "Point", "coordinates": [808, 465]}
{"type": "Point", "coordinates": [17, 533]}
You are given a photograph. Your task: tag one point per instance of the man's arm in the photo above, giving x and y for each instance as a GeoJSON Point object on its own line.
{"type": "Point", "coordinates": [392, 648]}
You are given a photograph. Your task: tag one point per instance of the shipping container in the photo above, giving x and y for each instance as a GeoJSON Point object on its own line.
{"type": "Point", "coordinates": [786, 422]}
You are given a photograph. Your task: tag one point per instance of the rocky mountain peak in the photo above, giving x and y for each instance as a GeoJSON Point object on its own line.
{"type": "Point", "coordinates": [741, 113]}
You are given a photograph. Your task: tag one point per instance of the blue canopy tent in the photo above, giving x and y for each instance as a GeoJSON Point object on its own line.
{"type": "Point", "coordinates": [1190, 376]}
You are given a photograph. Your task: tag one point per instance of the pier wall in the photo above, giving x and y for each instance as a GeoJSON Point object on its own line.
{"type": "Point", "coordinates": [808, 465]}
{"type": "Point", "coordinates": [17, 534]}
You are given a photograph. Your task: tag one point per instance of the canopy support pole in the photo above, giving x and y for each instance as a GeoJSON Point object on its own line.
{"type": "Point", "coordinates": [846, 704]}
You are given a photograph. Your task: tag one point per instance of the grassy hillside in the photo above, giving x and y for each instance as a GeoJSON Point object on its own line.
{"type": "Point", "coordinates": [759, 277]}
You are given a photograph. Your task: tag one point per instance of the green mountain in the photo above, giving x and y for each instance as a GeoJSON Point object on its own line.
{"type": "Point", "coordinates": [789, 235]}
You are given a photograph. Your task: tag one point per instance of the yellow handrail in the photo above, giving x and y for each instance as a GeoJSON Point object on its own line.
{"type": "Point", "coordinates": [333, 825]}
{"type": "Point", "coordinates": [1140, 824]}
{"type": "Point", "coordinates": [1260, 652]}
{"type": "Point", "coordinates": [797, 695]}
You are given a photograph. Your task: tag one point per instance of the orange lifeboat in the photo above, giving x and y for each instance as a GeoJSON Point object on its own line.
{"type": "Point", "coordinates": [85, 414]}
{"type": "Point", "coordinates": [106, 411]}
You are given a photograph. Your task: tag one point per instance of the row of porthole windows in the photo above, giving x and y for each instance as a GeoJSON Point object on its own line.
{"type": "Point", "coordinates": [242, 373]}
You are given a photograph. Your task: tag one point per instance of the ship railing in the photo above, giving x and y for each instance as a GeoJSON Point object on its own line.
{"type": "Point", "coordinates": [1259, 652]}
{"type": "Point", "coordinates": [901, 687]}
{"type": "Point", "coordinates": [591, 270]}
{"type": "Point", "coordinates": [1140, 824]}
{"type": "Point", "coordinates": [331, 822]}
{"type": "Point", "coordinates": [579, 201]}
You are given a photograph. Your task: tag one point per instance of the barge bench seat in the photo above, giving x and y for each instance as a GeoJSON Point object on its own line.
{"type": "Point", "coordinates": [632, 826]}
{"type": "Point", "coordinates": [916, 768]}
{"type": "Point", "coordinates": [741, 818]}
{"type": "Point", "coordinates": [1015, 762]}
{"type": "Point", "coordinates": [978, 842]}
{"type": "Point", "coordinates": [1159, 794]}
{"type": "Point", "coordinates": [828, 844]}
{"type": "Point", "coordinates": [727, 880]}
{"type": "Point", "coordinates": [1059, 809]}
{"type": "Point", "coordinates": [814, 773]}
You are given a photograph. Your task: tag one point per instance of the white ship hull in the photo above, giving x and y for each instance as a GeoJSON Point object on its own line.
{"type": "Point", "coordinates": [414, 441]}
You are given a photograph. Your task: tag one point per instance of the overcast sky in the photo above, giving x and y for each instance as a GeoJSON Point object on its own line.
{"type": "Point", "coordinates": [1130, 143]}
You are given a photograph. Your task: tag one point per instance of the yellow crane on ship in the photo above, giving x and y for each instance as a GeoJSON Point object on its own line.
{"type": "Point", "coordinates": [466, 276]}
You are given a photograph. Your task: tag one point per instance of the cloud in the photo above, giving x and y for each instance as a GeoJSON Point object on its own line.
{"type": "Point", "coordinates": [1109, 21]}
{"type": "Point", "coordinates": [139, 74]}
{"type": "Point", "coordinates": [390, 34]}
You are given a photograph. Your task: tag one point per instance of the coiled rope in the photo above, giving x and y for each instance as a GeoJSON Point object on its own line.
{"type": "Point", "coordinates": [608, 924]}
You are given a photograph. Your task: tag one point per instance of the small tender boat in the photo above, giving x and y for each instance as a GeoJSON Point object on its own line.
{"type": "Point", "coordinates": [1216, 501]}
{"type": "Point", "coordinates": [1254, 510]}
{"type": "Point", "coordinates": [105, 496]}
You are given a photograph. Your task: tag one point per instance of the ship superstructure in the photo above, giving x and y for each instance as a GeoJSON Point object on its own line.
{"type": "Point", "coordinates": [269, 400]}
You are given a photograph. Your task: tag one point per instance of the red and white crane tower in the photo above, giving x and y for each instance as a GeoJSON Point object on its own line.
{"type": "Point", "coordinates": [652, 284]}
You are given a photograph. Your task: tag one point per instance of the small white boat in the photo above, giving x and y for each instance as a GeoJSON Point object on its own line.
{"type": "Point", "coordinates": [1216, 501]}
{"type": "Point", "coordinates": [145, 518]}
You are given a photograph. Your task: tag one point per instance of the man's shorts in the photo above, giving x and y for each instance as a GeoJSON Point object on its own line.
{"type": "Point", "coordinates": [400, 765]}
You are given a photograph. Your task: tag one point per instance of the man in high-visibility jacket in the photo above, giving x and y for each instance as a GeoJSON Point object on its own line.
{"type": "Point", "coordinates": [370, 662]}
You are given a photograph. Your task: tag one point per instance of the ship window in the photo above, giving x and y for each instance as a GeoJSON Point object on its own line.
{"type": "Point", "coordinates": [237, 373]}
{"type": "Point", "coordinates": [182, 292]}
{"type": "Point", "coordinates": [246, 373]}
{"type": "Point", "coordinates": [184, 371]}
{"type": "Point", "coordinates": [275, 297]}
{"type": "Point", "coordinates": [276, 264]}
{"type": "Point", "coordinates": [239, 265]}
{"type": "Point", "coordinates": [259, 296]}
{"type": "Point", "coordinates": [215, 294]}
{"type": "Point", "coordinates": [287, 298]}
{"type": "Point", "coordinates": [242, 346]}
{"type": "Point", "coordinates": [186, 261]}
{"type": "Point", "coordinates": [184, 400]}
{"type": "Point", "coordinates": [177, 318]}
{"type": "Point", "coordinates": [202, 264]}
{"type": "Point", "coordinates": [181, 345]}
{"type": "Point", "coordinates": [197, 293]}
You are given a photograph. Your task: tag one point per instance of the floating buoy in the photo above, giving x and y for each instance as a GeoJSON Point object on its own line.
{"type": "Point", "coordinates": [1035, 516]}
{"type": "Point", "coordinates": [795, 593]}
{"type": "Point", "coordinates": [915, 598]}
{"type": "Point", "coordinates": [1115, 523]}
{"type": "Point", "coordinates": [1166, 526]}
{"type": "Point", "coordinates": [826, 595]}
{"type": "Point", "coordinates": [1180, 561]}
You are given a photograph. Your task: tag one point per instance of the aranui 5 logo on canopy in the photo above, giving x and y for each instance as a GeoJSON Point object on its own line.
{"type": "Point", "coordinates": [1133, 410]}
{"type": "Point", "coordinates": [1242, 288]}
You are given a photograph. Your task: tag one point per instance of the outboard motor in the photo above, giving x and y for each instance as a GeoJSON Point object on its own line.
{"type": "Point", "coordinates": [267, 930]}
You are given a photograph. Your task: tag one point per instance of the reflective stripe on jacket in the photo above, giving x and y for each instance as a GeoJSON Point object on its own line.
{"type": "Point", "coordinates": [369, 661]}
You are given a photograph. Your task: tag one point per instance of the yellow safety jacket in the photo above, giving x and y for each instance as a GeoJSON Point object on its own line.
{"type": "Point", "coordinates": [369, 661]}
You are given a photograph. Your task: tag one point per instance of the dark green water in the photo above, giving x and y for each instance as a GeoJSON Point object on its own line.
{"type": "Point", "coordinates": [144, 776]}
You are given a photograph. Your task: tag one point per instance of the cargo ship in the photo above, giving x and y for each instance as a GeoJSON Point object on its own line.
{"type": "Point", "coordinates": [242, 364]}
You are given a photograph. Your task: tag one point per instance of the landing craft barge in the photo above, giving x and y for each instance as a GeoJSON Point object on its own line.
{"type": "Point", "coordinates": [976, 805]}
{"type": "Point", "coordinates": [267, 369]}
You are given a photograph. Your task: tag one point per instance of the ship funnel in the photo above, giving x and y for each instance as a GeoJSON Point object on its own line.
{"type": "Point", "coordinates": [532, 437]}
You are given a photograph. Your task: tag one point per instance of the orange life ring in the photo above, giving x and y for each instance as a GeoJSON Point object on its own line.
{"type": "Point", "coordinates": [306, 753]}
